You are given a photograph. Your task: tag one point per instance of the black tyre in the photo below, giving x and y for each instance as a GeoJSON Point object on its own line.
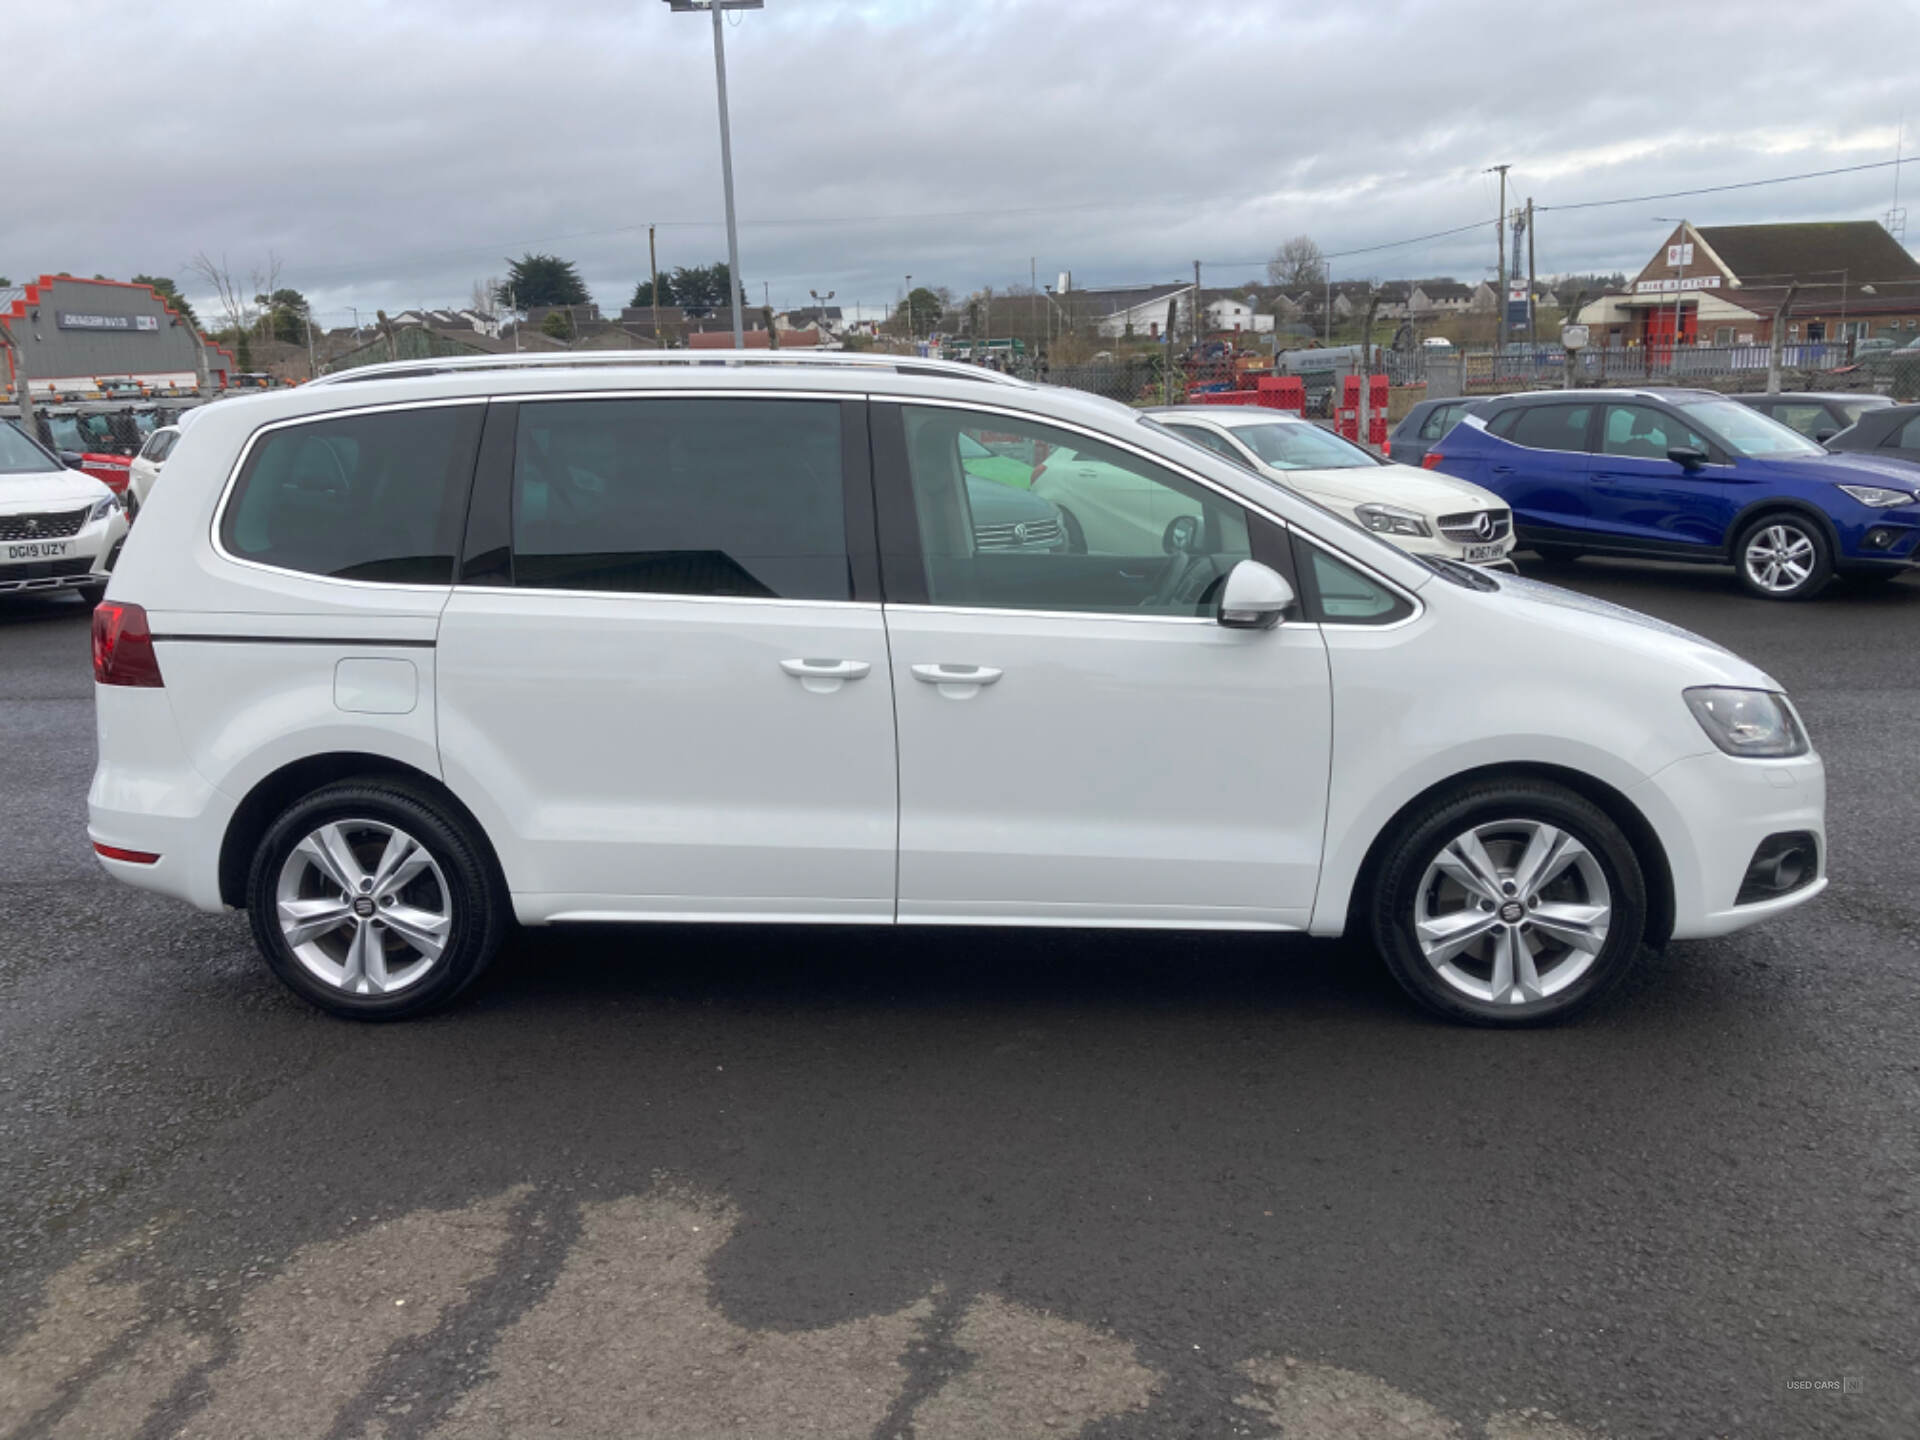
{"type": "Point", "coordinates": [1076, 537]}
{"type": "Point", "coordinates": [1783, 556]}
{"type": "Point", "coordinates": [372, 902]}
{"type": "Point", "coordinates": [1509, 903]}
{"type": "Point", "coordinates": [1555, 557]}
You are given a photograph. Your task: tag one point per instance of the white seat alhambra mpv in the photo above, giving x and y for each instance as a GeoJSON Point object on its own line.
{"type": "Point", "coordinates": [419, 650]}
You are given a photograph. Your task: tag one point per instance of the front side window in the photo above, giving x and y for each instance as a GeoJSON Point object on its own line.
{"type": "Point", "coordinates": [1746, 432]}
{"type": "Point", "coordinates": [1348, 597]}
{"type": "Point", "coordinates": [739, 498]}
{"type": "Point", "coordinates": [1441, 420]}
{"type": "Point", "coordinates": [1641, 432]}
{"type": "Point", "coordinates": [1809, 420]}
{"type": "Point", "coordinates": [1548, 427]}
{"type": "Point", "coordinates": [1907, 437]}
{"type": "Point", "coordinates": [378, 496]}
{"type": "Point", "coordinates": [1100, 529]}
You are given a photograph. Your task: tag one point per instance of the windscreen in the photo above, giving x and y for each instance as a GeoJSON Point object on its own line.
{"type": "Point", "coordinates": [1296, 446]}
{"type": "Point", "coordinates": [1747, 432]}
{"type": "Point", "coordinates": [20, 456]}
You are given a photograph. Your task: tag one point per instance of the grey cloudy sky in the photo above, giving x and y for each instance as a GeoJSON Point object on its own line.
{"type": "Point", "coordinates": [392, 153]}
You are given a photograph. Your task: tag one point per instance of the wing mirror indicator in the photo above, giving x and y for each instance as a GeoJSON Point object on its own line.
{"type": "Point", "coordinates": [1255, 597]}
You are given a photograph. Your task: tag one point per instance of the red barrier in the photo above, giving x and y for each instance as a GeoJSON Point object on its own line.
{"type": "Point", "coordinates": [1224, 397]}
{"type": "Point", "coordinates": [1377, 411]}
{"type": "Point", "coordinates": [1282, 392]}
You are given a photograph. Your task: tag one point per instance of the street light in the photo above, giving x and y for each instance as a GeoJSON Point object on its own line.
{"type": "Point", "coordinates": [908, 304]}
{"type": "Point", "coordinates": [726, 142]}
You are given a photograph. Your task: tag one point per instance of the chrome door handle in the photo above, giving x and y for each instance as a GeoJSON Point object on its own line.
{"type": "Point", "coordinates": [957, 682]}
{"type": "Point", "coordinates": [823, 677]}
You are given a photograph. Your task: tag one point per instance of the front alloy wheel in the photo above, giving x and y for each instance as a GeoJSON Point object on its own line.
{"type": "Point", "coordinates": [1783, 557]}
{"type": "Point", "coordinates": [1512, 911]}
{"type": "Point", "coordinates": [1508, 902]}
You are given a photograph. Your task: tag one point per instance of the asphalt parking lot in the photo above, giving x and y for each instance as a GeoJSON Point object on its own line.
{"type": "Point", "coordinates": [701, 1182]}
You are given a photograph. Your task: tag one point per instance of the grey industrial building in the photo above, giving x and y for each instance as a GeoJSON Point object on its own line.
{"type": "Point", "coordinates": [75, 334]}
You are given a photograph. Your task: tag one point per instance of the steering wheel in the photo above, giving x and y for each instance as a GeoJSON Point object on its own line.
{"type": "Point", "coordinates": [1187, 582]}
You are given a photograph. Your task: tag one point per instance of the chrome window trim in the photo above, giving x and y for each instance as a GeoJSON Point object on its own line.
{"type": "Point", "coordinates": [659, 595]}
{"type": "Point", "coordinates": [316, 418]}
{"type": "Point", "coordinates": [1010, 611]}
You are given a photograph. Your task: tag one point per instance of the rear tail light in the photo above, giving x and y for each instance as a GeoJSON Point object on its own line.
{"type": "Point", "coordinates": [123, 646]}
{"type": "Point", "coordinates": [1431, 460]}
{"type": "Point", "coordinates": [129, 857]}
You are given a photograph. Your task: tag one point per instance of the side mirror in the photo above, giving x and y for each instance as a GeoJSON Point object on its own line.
{"type": "Point", "coordinates": [1687, 457]}
{"type": "Point", "coordinates": [72, 459]}
{"type": "Point", "coordinates": [1255, 597]}
{"type": "Point", "coordinates": [1824, 434]}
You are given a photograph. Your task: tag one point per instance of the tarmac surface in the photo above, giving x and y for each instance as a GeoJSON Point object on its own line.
{"type": "Point", "coordinates": [698, 1182]}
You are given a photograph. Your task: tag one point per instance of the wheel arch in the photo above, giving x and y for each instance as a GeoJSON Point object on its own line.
{"type": "Point", "coordinates": [279, 789]}
{"type": "Point", "coordinates": [1775, 505]}
{"type": "Point", "coordinates": [1656, 869]}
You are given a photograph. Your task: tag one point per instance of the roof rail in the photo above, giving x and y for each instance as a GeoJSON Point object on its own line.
{"type": "Point", "coordinates": [651, 359]}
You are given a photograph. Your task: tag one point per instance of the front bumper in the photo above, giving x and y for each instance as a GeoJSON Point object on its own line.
{"type": "Point", "coordinates": [88, 559]}
{"type": "Point", "coordinates": [1712, 812]}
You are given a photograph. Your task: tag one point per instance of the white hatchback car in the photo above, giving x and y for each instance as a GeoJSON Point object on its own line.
{"type": "Point", "coordinates": [60, 529]}
{"type": "Point", "coordinates": [1419, 510]}
{"type": "Point", "coordinates": [144, 469]}
{"type": "Point", "coordinates": [414, 651]}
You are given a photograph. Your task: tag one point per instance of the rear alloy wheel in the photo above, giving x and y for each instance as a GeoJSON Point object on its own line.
{"type": "Point", "coordinates": [371, 904]}
{"type": "Point", "coordinates": [1784, 557]}
{"type": "Point", "coordinates": [1510, 904]}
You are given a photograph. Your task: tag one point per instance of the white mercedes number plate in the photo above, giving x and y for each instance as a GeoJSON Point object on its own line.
{"type": "Point", "coordinates": [1475, 554]}
{"type": "Point", "coordinates": [39, 549]}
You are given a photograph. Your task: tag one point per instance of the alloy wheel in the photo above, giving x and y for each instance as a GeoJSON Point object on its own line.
{"type": "Point", "coordinates": [1779, 558]}
{"type": "Point", "coordinates": [364, 907]}
{"type": "Point", "coordinates": [1513, 911]}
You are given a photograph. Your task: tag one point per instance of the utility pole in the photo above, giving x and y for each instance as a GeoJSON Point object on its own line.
{"type": "Point", "coordinates": [653, 269]}
{"type": "Point", "coordinates": [1196, 307]}
{"type": "Point", "coordinates": [1033, 304]}
{"type": "Point", "coordinates": [1533, 334]}
{"type": "Point", "coordinates": [1779, 339]}
{"type": "Point", "coordinates": [1500, 241]}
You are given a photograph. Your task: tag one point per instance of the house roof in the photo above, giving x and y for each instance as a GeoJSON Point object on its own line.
{"type": "Point", "coordinates": [1111, 300]}
{"type": "Point", "coordinates": [1775, 254]}
{"type": "Point", "coordinates": [1444, 289]}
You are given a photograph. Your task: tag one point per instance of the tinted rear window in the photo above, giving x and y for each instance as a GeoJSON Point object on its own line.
{"type": "Point", "coordinates": [681, 497]}
{"type": "Point", "coordinates": [379, 496]}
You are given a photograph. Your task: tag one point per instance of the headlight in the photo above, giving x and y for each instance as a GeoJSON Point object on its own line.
{"type": "Point", "coordinates": [105, 507]}
{"type": "Point", "coordinates": [1391, 520]}
{"type": "Point", "coordinates": [1879, 496]}
{"type": "Point", "coordinates": [1753, 723]}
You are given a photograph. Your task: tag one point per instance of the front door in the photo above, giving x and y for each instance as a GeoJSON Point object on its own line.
{"type": "Point", "coordinates": [663, 677]}
{"type": "Point", "coordinates": [1079, 742]}
{"type": "Point", "coordinates": [1645, 499]}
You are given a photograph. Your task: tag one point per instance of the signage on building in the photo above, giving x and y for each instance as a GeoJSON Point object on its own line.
{"type": "Point", "coordinates": [1680, 254]}
{"type": "Point", "coordinates": [1667, 287]}
{"type": "Point", "coordinates": [72, 320]}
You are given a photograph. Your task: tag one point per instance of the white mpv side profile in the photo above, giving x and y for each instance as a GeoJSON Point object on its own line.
{"type": "Point", "coordinates": [417, 651]}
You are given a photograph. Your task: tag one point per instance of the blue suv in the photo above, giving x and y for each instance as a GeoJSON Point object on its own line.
{"type": "Point", "coordinates": [1687, 475]}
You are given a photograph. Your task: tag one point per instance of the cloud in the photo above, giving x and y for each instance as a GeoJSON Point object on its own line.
{"type": "Point", "coordinates": [390, 155]}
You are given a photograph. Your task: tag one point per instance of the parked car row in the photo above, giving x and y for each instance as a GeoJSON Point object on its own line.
{"type": "Point", "coordinates": [1693, 475]}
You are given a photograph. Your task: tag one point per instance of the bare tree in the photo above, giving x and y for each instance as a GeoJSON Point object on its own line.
{"type": "Point", "coordinates": [265, 281]}
{"type": "Point", "coordinates": [229, 294]}
{"type": "Point", "coordinates": [484, 301]}
{"type": "Point", "coordinates": [1298, 265]}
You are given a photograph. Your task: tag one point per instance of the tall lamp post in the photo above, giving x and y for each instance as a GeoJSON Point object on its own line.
{"type": "Point", "coordinates": [1680, 279]}
{"type": "Point", "coordinates": [726, 141]}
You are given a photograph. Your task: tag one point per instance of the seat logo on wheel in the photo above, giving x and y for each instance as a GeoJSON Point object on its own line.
{"type": "Point", "coordinates": [363, 906]}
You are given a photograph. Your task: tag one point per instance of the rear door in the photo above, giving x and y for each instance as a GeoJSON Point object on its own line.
{"type": "Point", "coordinates": [1541, 470]}
{"type": "Point", "coordinates": [663, 673]}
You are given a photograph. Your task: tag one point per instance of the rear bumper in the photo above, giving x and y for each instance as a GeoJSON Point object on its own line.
{"type": "Point", "coordinates": [147, 796]}
{"type": "Point", "coordinates": [1712, 812]}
